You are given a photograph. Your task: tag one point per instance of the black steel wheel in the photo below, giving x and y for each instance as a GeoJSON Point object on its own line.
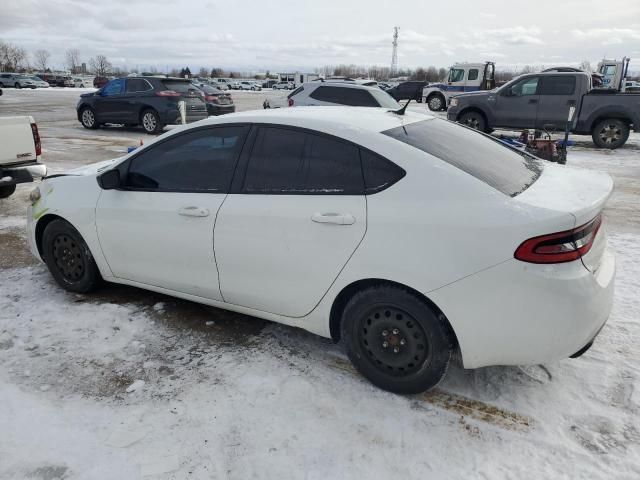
{"type": "Point", "coordinates": [396, 340]}
{"type": "Point", "coordinates": [68, 257]}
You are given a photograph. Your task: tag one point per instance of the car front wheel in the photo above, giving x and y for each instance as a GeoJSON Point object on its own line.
{"type": "Point", "coordinates": [435, 102]}
{"type": "Point", "coordinates": [88, 118]}
{"type": "Point", "coordinates": [396, 340]}
{"type": "Point", "coordinates": [68, 258]}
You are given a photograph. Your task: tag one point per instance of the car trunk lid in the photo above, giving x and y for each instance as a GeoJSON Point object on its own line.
{"type": "Point", "coordinates": [192, 96]}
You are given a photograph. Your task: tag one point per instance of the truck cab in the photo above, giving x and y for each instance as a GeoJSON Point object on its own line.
{"type": "Point", "coordinates": [614, 73]}
{"type": "Point", "coordinates": [462, 78]}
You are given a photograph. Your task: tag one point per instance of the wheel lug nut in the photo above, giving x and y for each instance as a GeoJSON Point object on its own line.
{"type": "Point", "coordinates": [385, 344]}
{"type": "Point", "coordinates": [395, 331]}
{"type": "Point", "coordinates": [396, 349]}
{"type": "Point", "coordinates": [385, 333]}
{"type": "Point", "coordinates": [402, 341]}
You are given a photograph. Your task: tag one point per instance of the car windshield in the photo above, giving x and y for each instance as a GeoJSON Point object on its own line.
{"type": "Point", "coordinates": [486, 158]}
{"type": "Point", "coordinates": [384, 99]}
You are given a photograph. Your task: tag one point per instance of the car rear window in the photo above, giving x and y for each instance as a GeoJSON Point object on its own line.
{"type": "Point", "coordinates": [180, 87]}
{"type": "Point", "coordinates": [487, 159]}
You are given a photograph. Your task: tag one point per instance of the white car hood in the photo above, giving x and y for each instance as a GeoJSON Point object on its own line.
{"type": "Point", "coordinates": [92, 168]}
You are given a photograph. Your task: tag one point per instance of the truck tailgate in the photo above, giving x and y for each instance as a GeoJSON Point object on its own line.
{"type": "Point", "coordinates": [16, 141]}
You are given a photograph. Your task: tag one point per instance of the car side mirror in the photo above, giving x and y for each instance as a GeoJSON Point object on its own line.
{"type": "Point", "coordinates": [109, 180]}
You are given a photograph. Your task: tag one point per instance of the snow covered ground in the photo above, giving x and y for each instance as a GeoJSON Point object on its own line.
{"type": "Point", "coordinates": [127, 384]}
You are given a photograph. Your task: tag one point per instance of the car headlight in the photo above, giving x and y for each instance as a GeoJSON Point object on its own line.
{"type": "Point", "coordinates": [453, 102]}
{"type": "Point", "coordinates": [35, 195]}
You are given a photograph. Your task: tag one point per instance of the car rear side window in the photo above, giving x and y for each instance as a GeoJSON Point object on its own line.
{"type": "Point", "coordinates": [200, 161]}
{"type": "Point", "coordinates": [558, 85]}
{"type": "Point", "coordinates": [137, 85]}
{"type": "Point", "coordinates": [379, 173]}
{"type": "Point", "coordinates": [295, 92]}
{"type": "Point", "coordinates": [285, 161]}
{"type": "Point", "coordinates": [353, 97]}
{"type": "Point", "coordinates": [489, 160]}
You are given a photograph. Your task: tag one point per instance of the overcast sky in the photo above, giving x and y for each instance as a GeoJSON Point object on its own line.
{"type": "Point", "coordinates": [298, 34]}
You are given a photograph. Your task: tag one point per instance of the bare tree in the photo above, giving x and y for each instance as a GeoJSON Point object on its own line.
{"type": "Point", "coordinates": [204, 73]}
{"type": "Point", "coordinates": [73, 60]}
{"type": "Point", "coordinates": [41, 59]}
{"type": "Point", "coordinates": [100, 65]}
{"type": "Point", "coordinates": [442, 74]}
{"type": "Point", "coordinates": [12, 57]}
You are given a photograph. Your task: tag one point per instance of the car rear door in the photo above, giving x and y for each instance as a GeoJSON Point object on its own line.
{"type": "Point", "coordinates": [516, 105]}
{"type": "Point", "coordinates": [158, 228]}
{"type": "Point", "coordinates": [296, 214]}
{"type": "Point", "coordinates": [136, 88]}
{"type": "Point", "coordinates": [557, 96]}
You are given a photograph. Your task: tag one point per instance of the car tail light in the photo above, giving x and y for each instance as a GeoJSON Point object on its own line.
{"type": "Point", "coordinates": [559, 247]}
{"type": "Point", "coordinates": [291, 102]}
{"type": "Point", "coordinates": [212, 98]}
{"type": "Point", "coordinates": [36, 139]}
{"type": "Point", "coordinates": [167, 93]}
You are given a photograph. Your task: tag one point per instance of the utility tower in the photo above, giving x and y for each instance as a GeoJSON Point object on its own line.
{"type": "Point", "coordinates": [394, 54]}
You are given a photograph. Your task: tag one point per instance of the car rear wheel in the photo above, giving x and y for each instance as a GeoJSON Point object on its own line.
{"type": "Point", "coordinates": [7, 190]}
{"type": "Point", "coordinates": [396, 340]}
{"type": "Point", "coordinates": [68, 258]}
{"type": "Point", "coordinates": [610, 133]}
{"type": "Point", "coordinates": [17, 85]}
{"type": "Point", "coordinates": [436, 102]}
{"type": "Point", "coordinates": [473, 120]}
{"type": "Point", "coordinates": [151, 122]}
{"type": "Point", "coordinates": [88, 118]}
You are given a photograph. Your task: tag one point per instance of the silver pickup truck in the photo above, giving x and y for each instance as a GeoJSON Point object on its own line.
{"type": "Point", "coordinates": [20, 152]}
{"type": "Point", "coordinates": [542, 101]}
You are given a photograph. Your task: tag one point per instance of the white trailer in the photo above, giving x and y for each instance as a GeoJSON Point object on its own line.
{"type": "Point", "coordinates": [462, 77]}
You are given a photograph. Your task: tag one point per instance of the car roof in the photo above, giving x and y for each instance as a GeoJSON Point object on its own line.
{"type": "Point", "coordinates": [337, 83]}
{"type": "Point", "coordinates": [331, 119]}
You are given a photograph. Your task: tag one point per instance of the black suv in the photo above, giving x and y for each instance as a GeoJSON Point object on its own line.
{"type": "Point", "coordinates": [407, 90]}
{"type": "Point", "coordinates": [152, 102]}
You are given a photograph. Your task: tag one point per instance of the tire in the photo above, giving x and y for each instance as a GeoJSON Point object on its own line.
{"type": "Point", "coordinates": [68, 258]}
{"type": "Point", "coordinates": [395, 340]}
{"type": "Point", "coordinates": [610, 133]}
{"type": "Point", "coordinates": [1, 85]}
{"type": "Point", "coordinates": [436, 102]}
{"type": "Point", "coordinates": [17, 85]}
{"type": "Point", "coordinates": [7, 190]}
{"type": "Point", "coordinates": [150, 122]}
{"type": "Point", "coordinates": [88, 118]}
{"type": "Point", "coordinates": [473, 120]}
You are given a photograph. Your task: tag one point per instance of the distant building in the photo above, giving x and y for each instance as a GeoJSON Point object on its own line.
{"type": "Point", "coordinates": [298, 78]}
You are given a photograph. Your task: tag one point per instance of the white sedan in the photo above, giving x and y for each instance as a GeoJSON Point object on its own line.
{"type": "Point", "coordinates": [404, 237]}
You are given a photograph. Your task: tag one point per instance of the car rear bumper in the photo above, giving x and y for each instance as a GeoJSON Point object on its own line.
{"type": "Point", "coordinates": [220, 109]}
{"type": "Point", "coordinates": [518, 313]}
{"type": "Point", "coordinates": [21, 174]}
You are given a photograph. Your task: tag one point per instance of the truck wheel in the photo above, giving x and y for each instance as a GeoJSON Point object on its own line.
{"type": "Point", "coordinates": [88, 118]}
{"type": "Point", "coordinates": [610, 133]}
{"type": "Point", "coordinates": [396, 340]}
{"type": "Point", "coordinates": [7, 190]}
{"type": "Point", "coordinates": [436, 102]}
{"type": "Point", "coordinates": [473, 120]}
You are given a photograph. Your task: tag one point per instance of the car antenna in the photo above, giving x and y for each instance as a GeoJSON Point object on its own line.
{"type": "Point", "coordinates": [401, 111]}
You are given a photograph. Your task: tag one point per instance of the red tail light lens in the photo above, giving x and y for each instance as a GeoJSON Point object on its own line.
{"type": "Point", "coordinates": [36, 139]}
{"type": "Point", "coordinates": [291, 102]}
{"type": "Point", "coordinates": [167, 93]}
{"type": "Point", "coordinates": [212, 98]}
{"type": "Point", "coordinates": [560, 247]}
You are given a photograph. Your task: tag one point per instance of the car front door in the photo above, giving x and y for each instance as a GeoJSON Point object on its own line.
{"type": "Point", "coordinates": [516, 105]}
{"type": "Point", "coordinates": [296, 214]}
{"type": "Point", "coordinates": [109, 104]}
{"type": "Point", "coordinates": [456, 80]}
{"type": "Point", "coordinates": [157, 229]}
{"type": "Point", "coordinates": [557, 96]}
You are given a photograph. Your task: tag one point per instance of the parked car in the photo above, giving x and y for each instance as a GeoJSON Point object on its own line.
{"type": "Point", "coordinates": [383, 232]}
{"type": "Point", "coordinates": [82, 82]}
{"type": "Point", "coordinates": [542, 101]}
{"type": "Point", "coordinates": [57, 80]}
{"type": "Point", "coordinates": [218, 102]}
{"type": "Point", "coordinates": [99, 82]}
{"type": "Point", "coordinates": [152, 102]}
{"type": "Point", "coordinates": [38, 82]}
{"type": "Point", "coordinates": [246, 86]}
{"type": "Point", "coordinates": [334, 94]}
{"type": "Point", "coordinates": [20, 152]}
{"type": "Point", "coordinates": [269, 83]}
{"type": "Point", "coordinates": [235, 85]}
{"type": "Point", "coordinates": [411, 90]}
{"type": "Point", "coordinates": [16, 80]}
{"type": "Point", "coordinates": [221, 83]}
{"type": "Point", "coordinates": [283, 86]}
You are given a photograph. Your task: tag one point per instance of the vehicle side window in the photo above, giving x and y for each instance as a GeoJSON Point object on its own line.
{"type": "Point", "coordinates": [114, 87]}
{"type": "Point", "coordinates": [326, 94]}
{"type": "Point", "coordinates": [379, 173]}
{"type": "Point", "coordinates": [359, 98]}
{"type": "Point", "coordinates": [473, 74]}
{"type": "Point", "coordinates": [295, 92]}
{"type": "Point", "coordinates": [200, 161]}
{"type": "Point", "coordinates": [287, 161]}
{"type": "Point", "coordinates": [456, 75]}
{"type": "Point", "coordinates": [560, 85]}
{"type": "Point", "coordinates": [526, 86]}
{"type": "Point", "coordinates": [137, 85]}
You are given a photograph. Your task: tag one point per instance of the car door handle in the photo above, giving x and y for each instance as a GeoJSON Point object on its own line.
{"type": "Point", "coordinates": [533, 100]}
{"type": "Point", "coordinates": [193, 212]}
{"type": "Point", "coordinates": [335, 218]}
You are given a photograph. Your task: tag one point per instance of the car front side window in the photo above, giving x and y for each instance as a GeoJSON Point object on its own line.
{"type": "Point", "coordinates": [200, 161]}
{"type": "Point", "coordinates": [527, 86]}
{"type": "Point", "coordinates": [114, 87]}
